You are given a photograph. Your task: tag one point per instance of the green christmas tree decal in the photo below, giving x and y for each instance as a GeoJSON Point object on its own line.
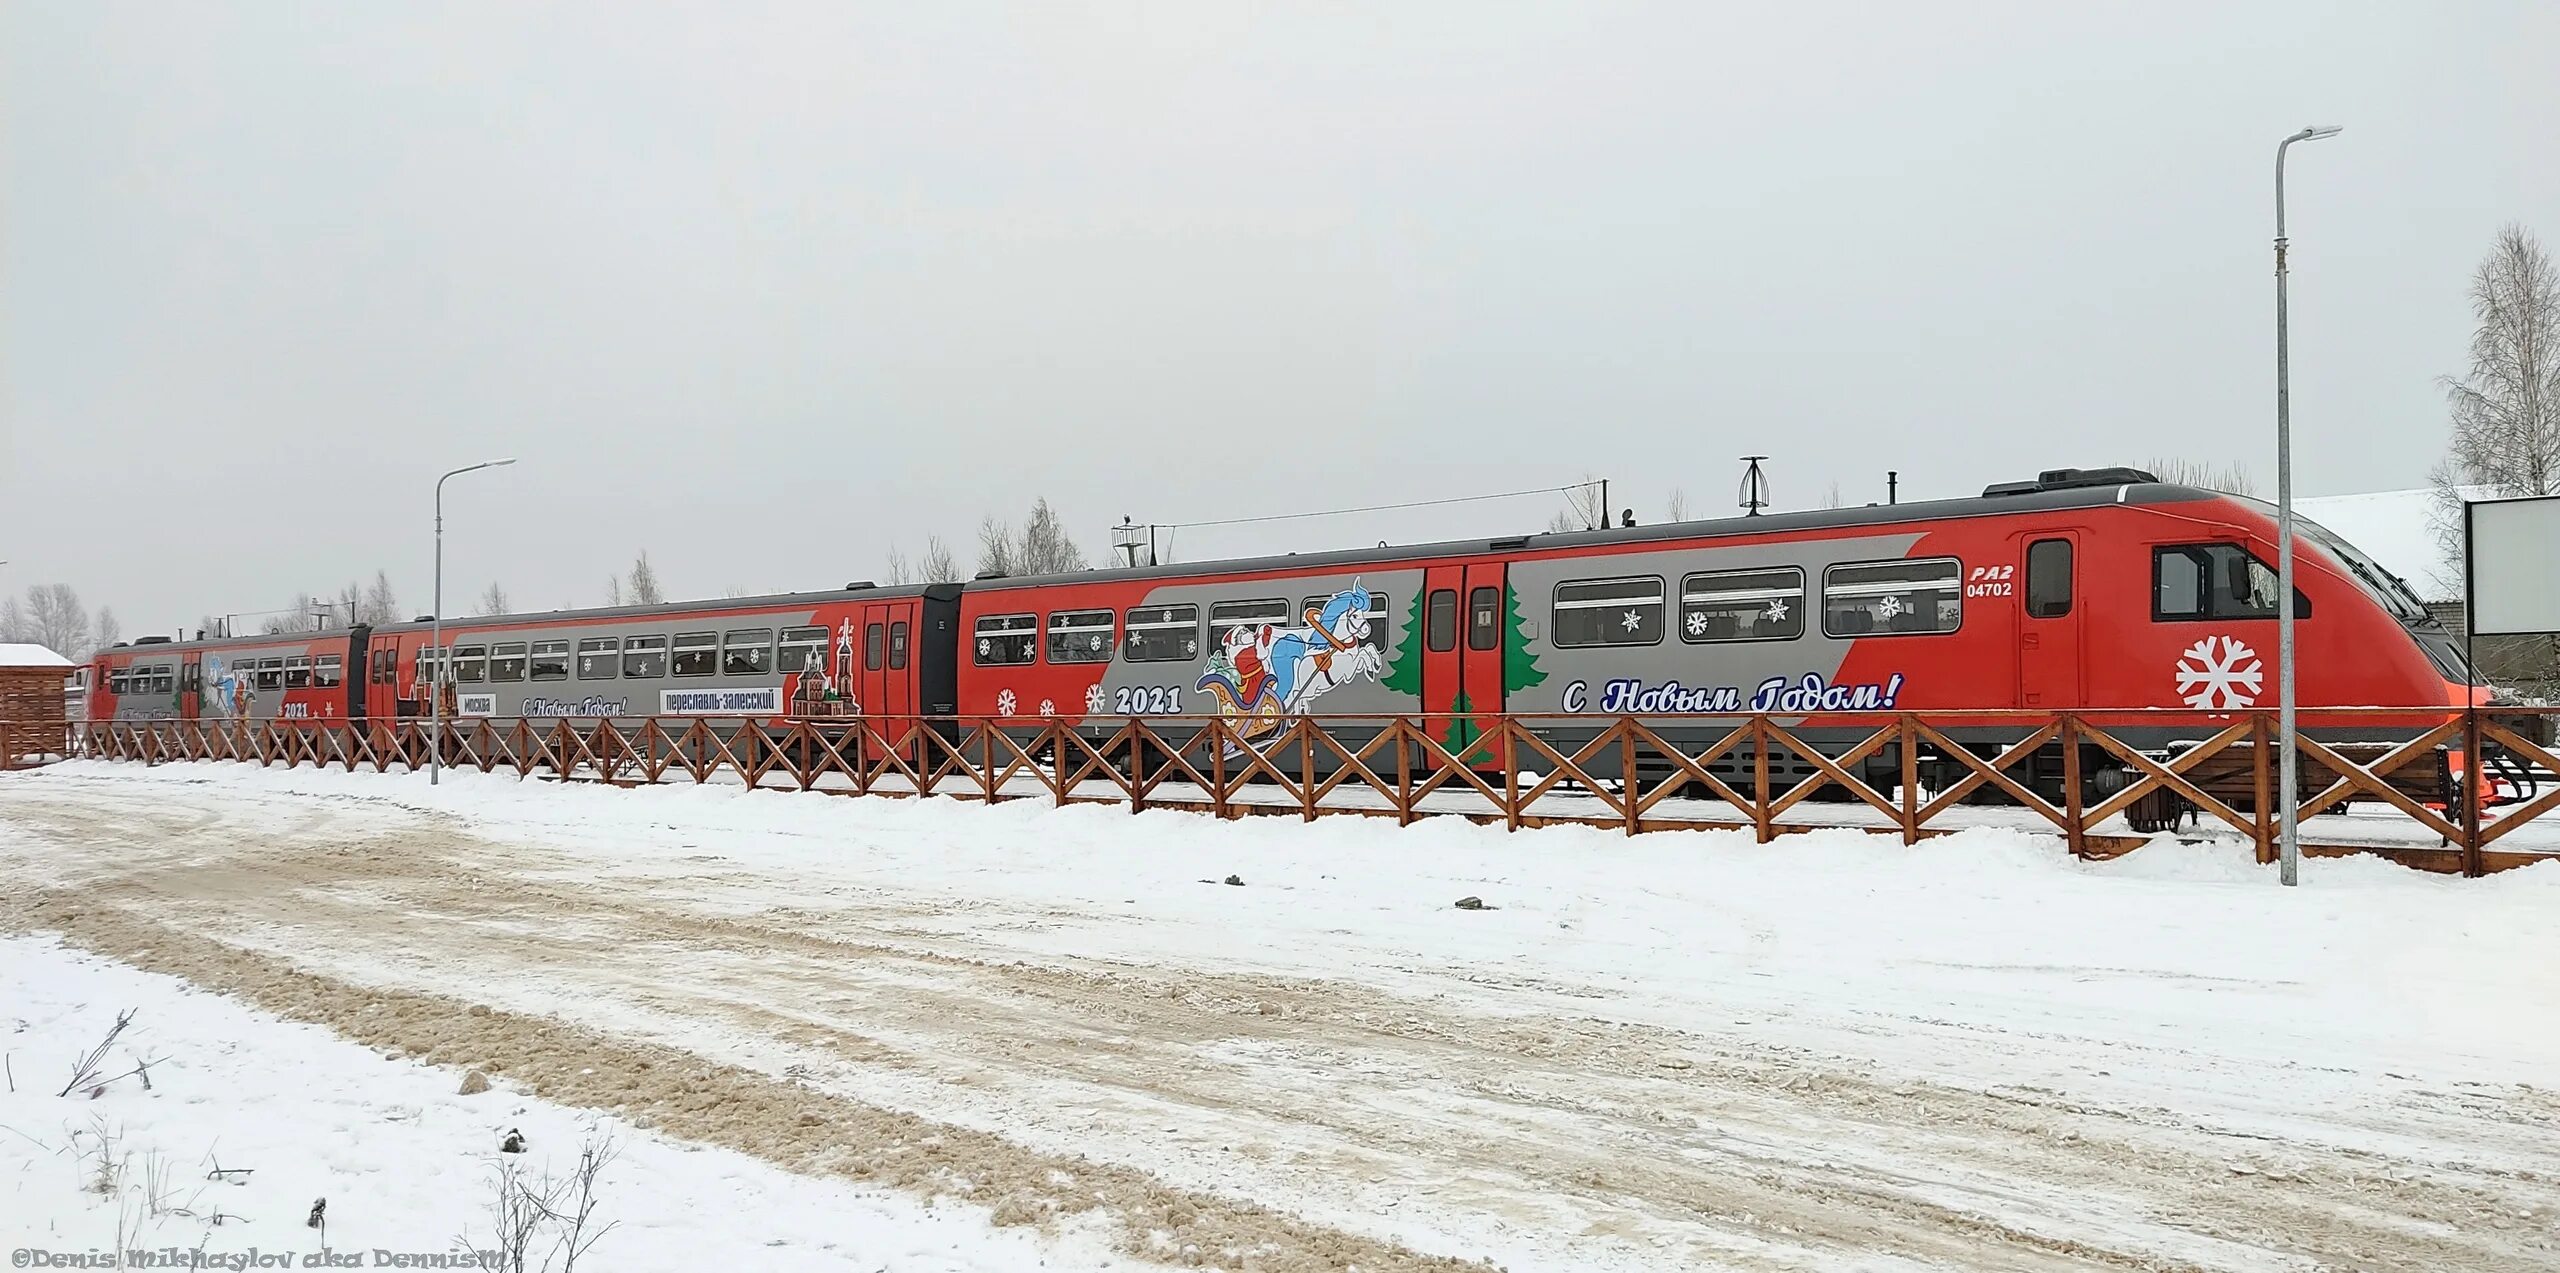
{"type": "Point", "coordinates": [1519, 666]}
{"type": "Point", "coordinates": [1406, 676]}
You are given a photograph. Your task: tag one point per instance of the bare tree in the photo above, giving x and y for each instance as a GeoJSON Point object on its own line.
{"type": "Point", "coordinates": [56, 620]}
{"type": "Point", "coordinates": [302, 616]}
{"type": "Point", "coordinates": [106, 631]}
{"type": "Point", "coordinates": [2506, 409]}
{"type": "Point", "coordinates": [902, 569]}
{"type": "Point", "coordinates": [1043, 547]}
{"type": "Point", "coordinates": [1675, 506]}
{"type": "Point", "coordinates": [1831, 497]}
{"type": "Point", "coordinates": [380, 605]}
{"type": "Point", "coordinates": [2231, 479]}
{"type": "Point", "coordinates": [207, 625]}
{"type": "Point", "coordinates": [613, 590]}
{"type": "Point", "coordinates": [494, 601]}
{"type": "Point", "coordinates": [15, 627]}
{"type": "Point", "coordinates": [644, 590]}
{"type": "Point", "coordinates": [1563, 522]}
{"type": "Point", "coordinates": [939, 565]}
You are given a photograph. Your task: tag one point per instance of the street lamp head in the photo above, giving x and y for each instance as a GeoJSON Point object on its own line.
{"type": "Point", "coordinates": [2318, 131]}
{"type": "Point", "coordinates": [499, 464]}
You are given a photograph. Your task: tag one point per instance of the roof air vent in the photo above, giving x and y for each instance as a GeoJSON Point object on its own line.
{"type": "Point", "coordinates": [2068, 479]}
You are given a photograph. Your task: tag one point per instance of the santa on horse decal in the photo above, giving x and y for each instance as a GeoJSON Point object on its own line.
{"type": "Point", "coordinates": [1265, 673]}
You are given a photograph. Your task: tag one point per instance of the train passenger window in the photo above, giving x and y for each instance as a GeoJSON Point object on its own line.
{"type": "Point", "coordinates": [1162, 634]}
{"type": "Point", "coordinates": [470, 664]}
{"type": "Point", "coordinates": [271, 674]}
{"type": "Point", "coordinates": [2048, 578]}
{"type": "Point", "coordinates": [599, 658]}
{"type": "Point", "coordinates": [2215, 581]}
{"type": "Point", "coordinates": [1377, 615]}
{"type": "Point", "coordinates": [119, 682]}
{"type": "Point", "coordinates": [802, 649]}
{"type": "Point", "coordinates": [1893, 598]}
{"type": "Point", "coordinates": [297, 673]}
{"type": "Point", "coordinates": [1609, 612]}
{"type": "Point", "coordinates": [325, 671]}
{"type": "Point", "coordinates": [1079, 636]}
{"type": "Point", "coordinates": [1484, 619]}
{"type": "Point", "coordinates": [643, 656]}
{"type": "Point", "coordinates": [506, 661]}
{"type": "Point", "coordinates": [550, 661]}
{"type": "Point", "coordinates": [1227, 618]}
{"type": "Point", "coordinates": [875, 647]}
{"type": "Point", "coordinates": [1743, 605]}
{"type": "Point", "coordinates": [1440, 626]}
{"type": "Point", "coordinates": [897, 645]}
{"type": "Point", "coordinates": [163, 680]}
{"type": "Point", "coordinates": [1005, 639]}
{"type": "Point", "coordinates": [747, 652]}
{"type": "Point", "coordinates": [697, 653]}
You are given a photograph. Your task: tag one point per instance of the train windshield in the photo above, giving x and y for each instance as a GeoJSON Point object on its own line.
{"type": "Point", "coordinates": [2391, 590]}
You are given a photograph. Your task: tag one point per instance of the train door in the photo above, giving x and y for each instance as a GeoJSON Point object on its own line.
{"type": "Point", "coordinates": [191, 687]}
{"type": "Point", "coordinates": [2049, 673]}
{"type": "Point", "coordinates": [885, 637]}
{"type": "Point", "coordinates": [1462, 674]}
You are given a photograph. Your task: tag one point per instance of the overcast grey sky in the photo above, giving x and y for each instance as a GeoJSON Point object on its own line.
{"type": "Point", "coordinates": [762, 288]}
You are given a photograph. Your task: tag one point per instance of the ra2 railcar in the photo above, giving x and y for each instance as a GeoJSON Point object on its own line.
{"type": "Point", "coordinates": [2098, 591]}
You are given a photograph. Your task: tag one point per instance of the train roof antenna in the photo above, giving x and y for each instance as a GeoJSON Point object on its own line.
{"type": "Point", "coordinates": [1755, 486]}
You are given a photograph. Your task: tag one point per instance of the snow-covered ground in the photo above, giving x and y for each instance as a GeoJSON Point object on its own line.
{"type": "Point", "coordinates": [248, 1120]}
{"type": "Point", "coordinates": [1671, 1051]}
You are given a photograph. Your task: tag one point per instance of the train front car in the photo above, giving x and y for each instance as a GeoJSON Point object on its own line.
{"type": "Point", "coordinates": [2100, 592]}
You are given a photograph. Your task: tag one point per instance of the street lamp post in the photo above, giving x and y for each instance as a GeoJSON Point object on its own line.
{"type": "Point", "coordinates": [2288, 804]}
{"type": "Point", "coordinates": [435, 639]}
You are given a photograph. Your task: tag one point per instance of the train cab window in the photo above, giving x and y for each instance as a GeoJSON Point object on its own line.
{"type": "Point", "coordinates": [599, 658]}
{"type": "Point", "coordinates": [1229, 617]}
{"type": "Point", "coordinates": [550, 661]}
{"type": "Point", "coordinates": [1609, 612]}
{"type": "Point", "coordinates": [1006, 639]}
{"type": "Point", "coordinates": [875, 647]}
{"type": "Point", "coordinates": [271, 674]}
{"type": "Point", "coordinates": [470, 664]}
{"type": "Point", "coordinates": [1376, 614]}
{"type": "Point", "coordinates": [1484, 619]}
{"type": "Point", "coordinates": [1162, 634]}
{"type": "Point", "coordinates": [802, 649]}
{"type": "Point", "coordinates": [1893, 598]}
{"type": "Point", "coordinates": [897, 645]}
{"type": "Point", "coordinates": [747, 652]}
{"type": "Point", "coordinates": [2215, 581]}
{"type": "Point", "coordinates": [644, 657]}
{"type": "Point", "coordinates": [1742, 605]}
{"type": "Point", "coordinates": [1440, 625]}
{"type": "Point", "coordinates": [326, 671]}
{"type": "Point", "coordinates": [1080, 636]}
{"type": "Point", "coordinates": [697, 653]}
{"type": "Point", "coordinates": [297, 673]}
{"type": "Point", "coordinates": [2048, 578]}
{"type": "Point", "coordinates": [506, 661]}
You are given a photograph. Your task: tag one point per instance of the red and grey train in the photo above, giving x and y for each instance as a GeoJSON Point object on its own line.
{"type": "Point", "coordinates": [2102, 590]}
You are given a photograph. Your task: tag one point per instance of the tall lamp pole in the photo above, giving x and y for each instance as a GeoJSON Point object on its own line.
{"type": "Point", "coordinates": [435, 639]}
{"type": "Point", "coordinates": [2288, 804]}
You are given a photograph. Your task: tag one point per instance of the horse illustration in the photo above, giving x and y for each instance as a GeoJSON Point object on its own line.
{"type": "Point", "coordinates": [1269, 672]}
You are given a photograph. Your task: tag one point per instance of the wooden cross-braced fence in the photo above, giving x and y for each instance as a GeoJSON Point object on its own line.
{"type": "Point", "coordinates": [2417, 797]}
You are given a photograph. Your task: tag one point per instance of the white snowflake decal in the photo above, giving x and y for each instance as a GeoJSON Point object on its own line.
{"type": "Point", "coordinates": [1631, 622]}
{"type": "Point", "coordinates": [2213, 672]}
{"type": "Point", "coordinates": [1095, 700]}
{"type": "Point", "coordinates": [1048, 708]}
{"type": "Point", "coordinates": [1093, 642]}
{"type": "Point", "coordinates": [1890, 606]}
{"type": "Point", "coordinates": [1191, 646]}
{"type": "Point", "coordinates": [1777, 611]}
{"type": "Point", "coordinates": [1004, 702]}
{"type": "Point", "coordinates": [1696, 623]}
{"type": "Point", "coordinates": [985, 645]}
